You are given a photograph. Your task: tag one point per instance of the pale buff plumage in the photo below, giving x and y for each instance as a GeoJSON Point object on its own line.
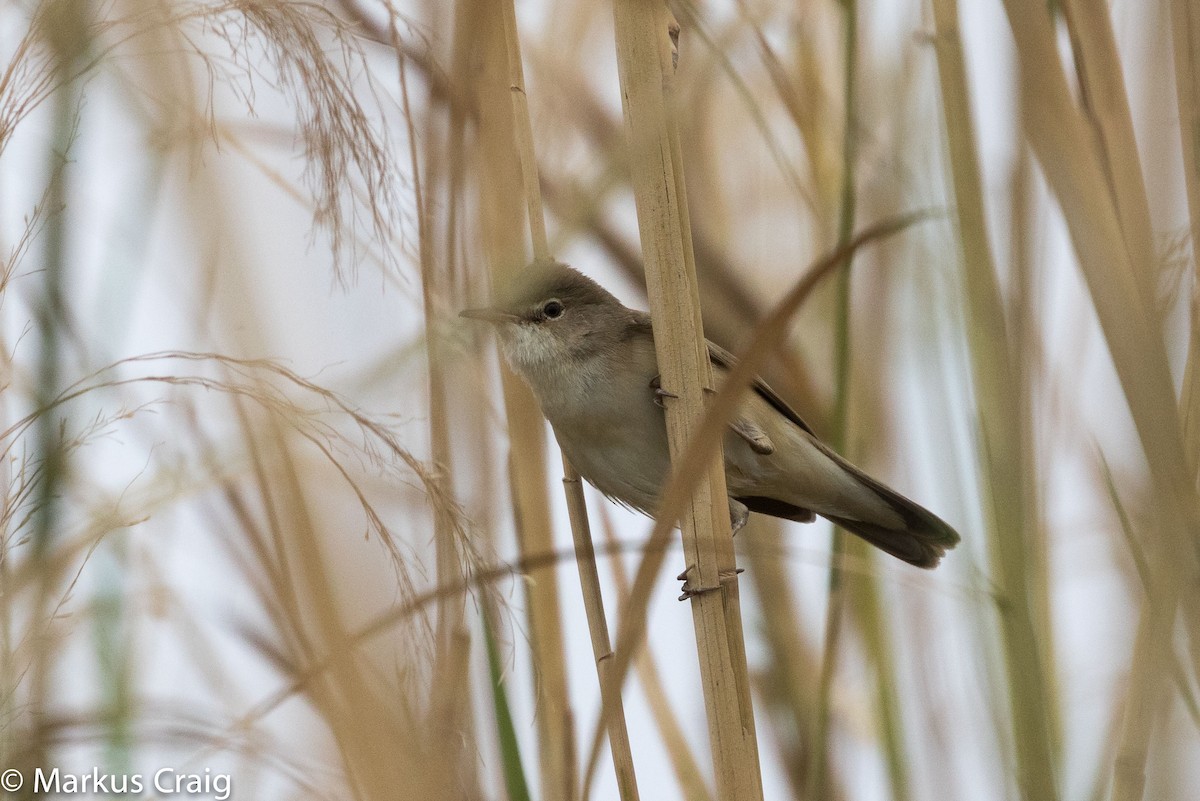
{"type": "Point", "coordinates": [590, 362]}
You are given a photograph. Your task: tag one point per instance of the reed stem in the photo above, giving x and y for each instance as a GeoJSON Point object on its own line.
{"type": "Point", "coordinates": [1000, 430]}
{"type": "Point", "coordinates": [612, 707]}
{"type": "Point", "coordinates": [501, 180]}
{"type": "Point", "coordinates": [646, 73]}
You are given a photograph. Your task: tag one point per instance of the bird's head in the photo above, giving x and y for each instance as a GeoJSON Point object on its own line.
{"type": "Point", "coordinates": [551, 316]}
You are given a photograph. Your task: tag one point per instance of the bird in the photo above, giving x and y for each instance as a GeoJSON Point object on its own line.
{"type": "Point", "coordinates": [590, 362]}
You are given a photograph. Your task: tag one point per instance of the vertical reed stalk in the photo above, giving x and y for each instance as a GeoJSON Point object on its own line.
{"type": "Point", "coordinates": [1000, 429]}
{"type": "Point", "coordinates": [860, 592]}
{"type": "Point", "coordinates": [523, 135]}
{"type": "Point", "coordinates": [612, 707]}
{"type": "Point", "coordinates": [1106, 106]}
{"type": "Point", "coordinates": [500, 181]}
{"type": "Point", "coordinates": [510, 755]}
{"type": "Point", "coordinates": [1185, 26]}
{"type": "Point", "coordinates": [687, 769]}
{"type": "Point", "coordinates": [1023, 318]}
{"type": "Point", "coordinates": [837, 585]}
{"type": "Point", "coordinates": [1074, 169]}
{"type": "Point", "coordinates": [793, 673]}
{"type": "Point", "coordinates": [448, 710]}
{"type": "Point", "coordinates": [1185, 29]}
{"type": "Point", "coordinates": [643, 60]}
{"type": "Point", "coordinates": [64, 26]}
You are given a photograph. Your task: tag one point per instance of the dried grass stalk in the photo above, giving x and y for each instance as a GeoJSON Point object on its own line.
{"type": "Point", "coordinates": [1185, 24]}
{"type": "Point", "coordinates": [1106, 107]}
{"type": "Point", "coordinates": [502, 224]}
{"type": "Point", "coordinates": [1000, 429]}
{"type": "Point", "coordinates": [449, 710]}
{"type": "Point", "coordinates": [613, 709]}
{"type": "Point", "coordinates": [789, 684]}
{"type": "Point", "coordinates": [643, 59]}
{"type": "Point", "coordinates": [523, 135]}
{"type": "Point", "coordinates": [1074, 169]}
{"type": "Point", "coordinates": [683, 761]}
{"type": "Point", "coordinates": [1185, 28]}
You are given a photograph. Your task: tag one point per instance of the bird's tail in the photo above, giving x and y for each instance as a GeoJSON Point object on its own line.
{"type": "Point", "coordinates": [921, 538]}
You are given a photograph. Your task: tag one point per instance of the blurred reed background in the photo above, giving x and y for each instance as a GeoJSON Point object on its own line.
{"type": "Point", "coordinates": [272, 510]}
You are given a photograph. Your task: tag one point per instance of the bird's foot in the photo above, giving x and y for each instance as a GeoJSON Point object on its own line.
{"type": "Point", "coordinates": [723, 577]}
{"type": "Point", "coordinates": [659, 393]}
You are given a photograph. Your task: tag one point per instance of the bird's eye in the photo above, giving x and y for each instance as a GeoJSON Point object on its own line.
{"type": "Point", "coordinates": [552, 310]}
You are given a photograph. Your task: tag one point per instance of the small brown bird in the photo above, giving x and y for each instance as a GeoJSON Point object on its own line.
{"type": "Point", "coordinates": [591, 363]}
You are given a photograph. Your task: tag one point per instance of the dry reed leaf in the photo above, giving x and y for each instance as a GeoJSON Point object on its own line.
{"type": "Point", "coordinates": [1073, 166]}
{"type": "Point", "coordinates": [1185, 28]}
{"type": "Point", "coordinates": [999, 415]}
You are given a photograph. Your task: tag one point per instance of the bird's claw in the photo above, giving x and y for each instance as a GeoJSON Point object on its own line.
{"type": "Point", "coordinates": [723, 577]}
{"type": "Point", "coordinates": [659, 392]}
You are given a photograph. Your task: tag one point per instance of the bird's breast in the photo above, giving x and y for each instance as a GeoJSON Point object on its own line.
{"type": "Point", "coordinates": [612, 432]}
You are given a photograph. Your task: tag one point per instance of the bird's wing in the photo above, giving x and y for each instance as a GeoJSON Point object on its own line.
{"type": "Point", "coordinates": [749, 430]}
{"type": "Point", "coordinates": [903, 529]}
{"type": "Point", "coordinates": [724, 358]}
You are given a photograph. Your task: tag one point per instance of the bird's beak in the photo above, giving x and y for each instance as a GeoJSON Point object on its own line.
{"type": "Point", "coordinates": [490, 315]}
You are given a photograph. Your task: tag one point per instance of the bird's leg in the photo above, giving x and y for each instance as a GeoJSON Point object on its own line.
{"type": "Point", "coordinates": [723, 577]}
